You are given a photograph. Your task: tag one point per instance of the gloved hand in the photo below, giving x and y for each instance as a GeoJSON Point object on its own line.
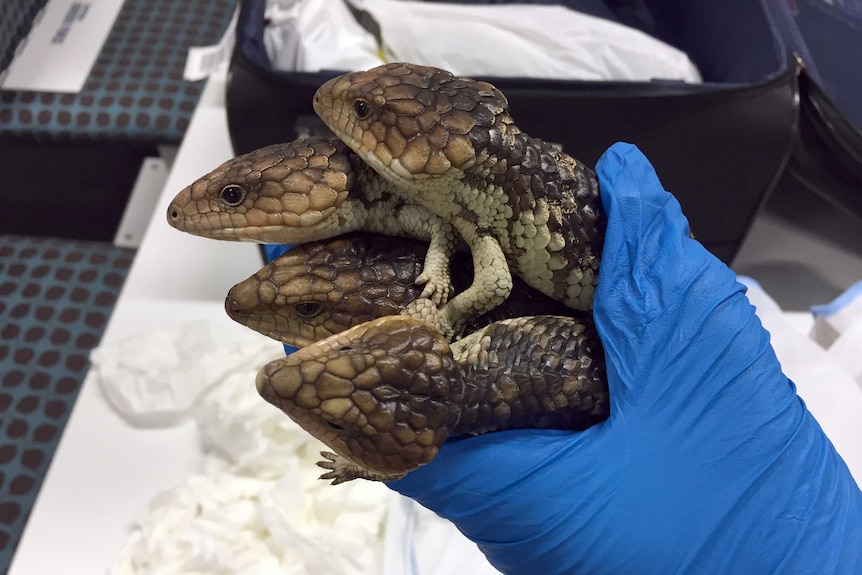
{"type": "Point", "coordinates": [709, 462]}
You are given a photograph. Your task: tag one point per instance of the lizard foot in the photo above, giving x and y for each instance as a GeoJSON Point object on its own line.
{"type": "Point", "coordinates": [342, 470]}
{"type": "Point", "coordinates": [438, 285]}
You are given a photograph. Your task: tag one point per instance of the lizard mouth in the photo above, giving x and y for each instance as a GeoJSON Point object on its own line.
{"type": "Point", "coordinates": [275, 234]}
{"type": "Point", "coordinates": [373, 160]}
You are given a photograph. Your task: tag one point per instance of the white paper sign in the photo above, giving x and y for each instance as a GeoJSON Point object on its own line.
{"type": "Point", "coordinates": [204, 61]}
{"type": "Point", "coordinates": [63, 46]}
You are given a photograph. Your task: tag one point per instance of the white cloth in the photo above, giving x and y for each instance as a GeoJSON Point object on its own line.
{"type": "Point", "coordinates": [525, 41]}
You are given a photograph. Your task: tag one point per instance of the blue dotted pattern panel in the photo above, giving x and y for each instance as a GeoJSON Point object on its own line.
{"type": "Point", "coordinates": [55, 300]}
{"type": "Point", "coordinates": [135, 90]}
{"type": "Point", "coordinates": [16, 18]}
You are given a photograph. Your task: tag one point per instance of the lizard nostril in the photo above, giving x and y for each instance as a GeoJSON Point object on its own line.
{"type": "Point", "coordinates": [233, 307]}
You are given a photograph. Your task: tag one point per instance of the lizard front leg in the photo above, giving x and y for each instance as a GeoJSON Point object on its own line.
{"type": "Point", "coordinates": [492, 284]}
{"type": "Point", "coordinates": [342, 470]}
{"type": "Point", "coordinates": [442, 241]}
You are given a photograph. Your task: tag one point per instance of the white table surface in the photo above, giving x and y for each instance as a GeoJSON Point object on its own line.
{"type": "Point", "coordinates": [105, 471]}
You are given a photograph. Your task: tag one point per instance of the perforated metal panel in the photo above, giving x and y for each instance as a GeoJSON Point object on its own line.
{"type": "Point", "coordinates": [136, 89]}
{"type": "Point", "coordinates": [55, 300]}
{"type": "Point", "coordinates": [16, 18]}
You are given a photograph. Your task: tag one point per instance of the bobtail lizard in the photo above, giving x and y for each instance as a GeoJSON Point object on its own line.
{"type": "Point", "coordinates": [386, 394]}
{"type": "Point", "coordinates": [325, 287]}
{"type": "Point", "coordinates": [451, 145]}
{"type": "Point", "coordinates": [304, 191]}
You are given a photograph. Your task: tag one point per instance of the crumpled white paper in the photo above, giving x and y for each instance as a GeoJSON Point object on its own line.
{"type": "Point", "coordinates": [257, 506]}
{"type": "Point", "coordinates": [153, 379]}
{"type": "Point", "coordinates": [525, 41]}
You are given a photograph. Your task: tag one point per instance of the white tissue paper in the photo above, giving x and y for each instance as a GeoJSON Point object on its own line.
{"type": "Point", "coordinates": [153, 379]}
{"type": "Point", "coordinates": [526, 41]}
{"type": "Point", "coordinates": [257, 506]}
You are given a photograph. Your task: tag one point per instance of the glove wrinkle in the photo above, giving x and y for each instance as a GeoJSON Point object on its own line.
{"type": "Point", "coordinates": [660, 347]}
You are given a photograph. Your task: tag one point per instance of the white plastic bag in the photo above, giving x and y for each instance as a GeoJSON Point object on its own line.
{"type": "Point", "coordinates": [314, 35]}
{"type": "Point", "coordinates": [526, 41]}
{"type": "Point", "coordinates": [512, 40]}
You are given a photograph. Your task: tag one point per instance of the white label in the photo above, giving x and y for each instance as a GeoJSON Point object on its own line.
{"type": "Point", "coordinates": [142, 203]}
{"type": "Point", "coordinates": [204, 61]}
{"type": "Point", "coordinates": [63, 46]}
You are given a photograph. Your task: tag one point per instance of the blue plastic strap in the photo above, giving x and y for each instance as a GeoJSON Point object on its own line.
{"type": "Point", "coordinates": [838, 303]}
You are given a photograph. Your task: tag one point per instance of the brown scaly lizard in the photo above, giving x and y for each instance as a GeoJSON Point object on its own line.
{"type": "Point", "coordinates": [450, 144]}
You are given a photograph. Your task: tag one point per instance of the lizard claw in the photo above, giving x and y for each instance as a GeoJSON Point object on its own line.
{"type": "Point", "coordinates": [438, 287]}
{"type": "Point", "coordinates": [340, 468]}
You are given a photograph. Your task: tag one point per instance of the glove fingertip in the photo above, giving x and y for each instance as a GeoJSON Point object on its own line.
{"type": "Point", "coordinates": [612, 161]}
{"type": "Point", "coordinates": [626, 174]}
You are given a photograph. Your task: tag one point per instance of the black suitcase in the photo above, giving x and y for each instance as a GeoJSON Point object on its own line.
{"type": "Point", "coordinates": [719, 146]}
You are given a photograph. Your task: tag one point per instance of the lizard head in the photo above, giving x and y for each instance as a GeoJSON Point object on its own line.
{"type": "Point", "coordinates": [284, 193]}
{"type": "Point", "coordinates": [325, 287]}
{"type": "Point", "coordinates": [380, 394]}
{"type": "Point", "coordinates": [410, 122]}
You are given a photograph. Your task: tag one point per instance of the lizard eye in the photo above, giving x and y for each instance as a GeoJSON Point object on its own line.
{"type": "Point", "coordinates": [335, 426]}
{"type": "Point", "coordinates": [232, 194]}
{"type": "Point", "coordinates": [308, 309]}
{"type": "Point", "coordinates": [362, 108]}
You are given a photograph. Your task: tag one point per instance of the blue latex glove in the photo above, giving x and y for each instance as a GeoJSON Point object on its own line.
{"type": "Point", "coordinates": [709, 462]}
{"type": "Point", "coordinates": [272, 252]}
